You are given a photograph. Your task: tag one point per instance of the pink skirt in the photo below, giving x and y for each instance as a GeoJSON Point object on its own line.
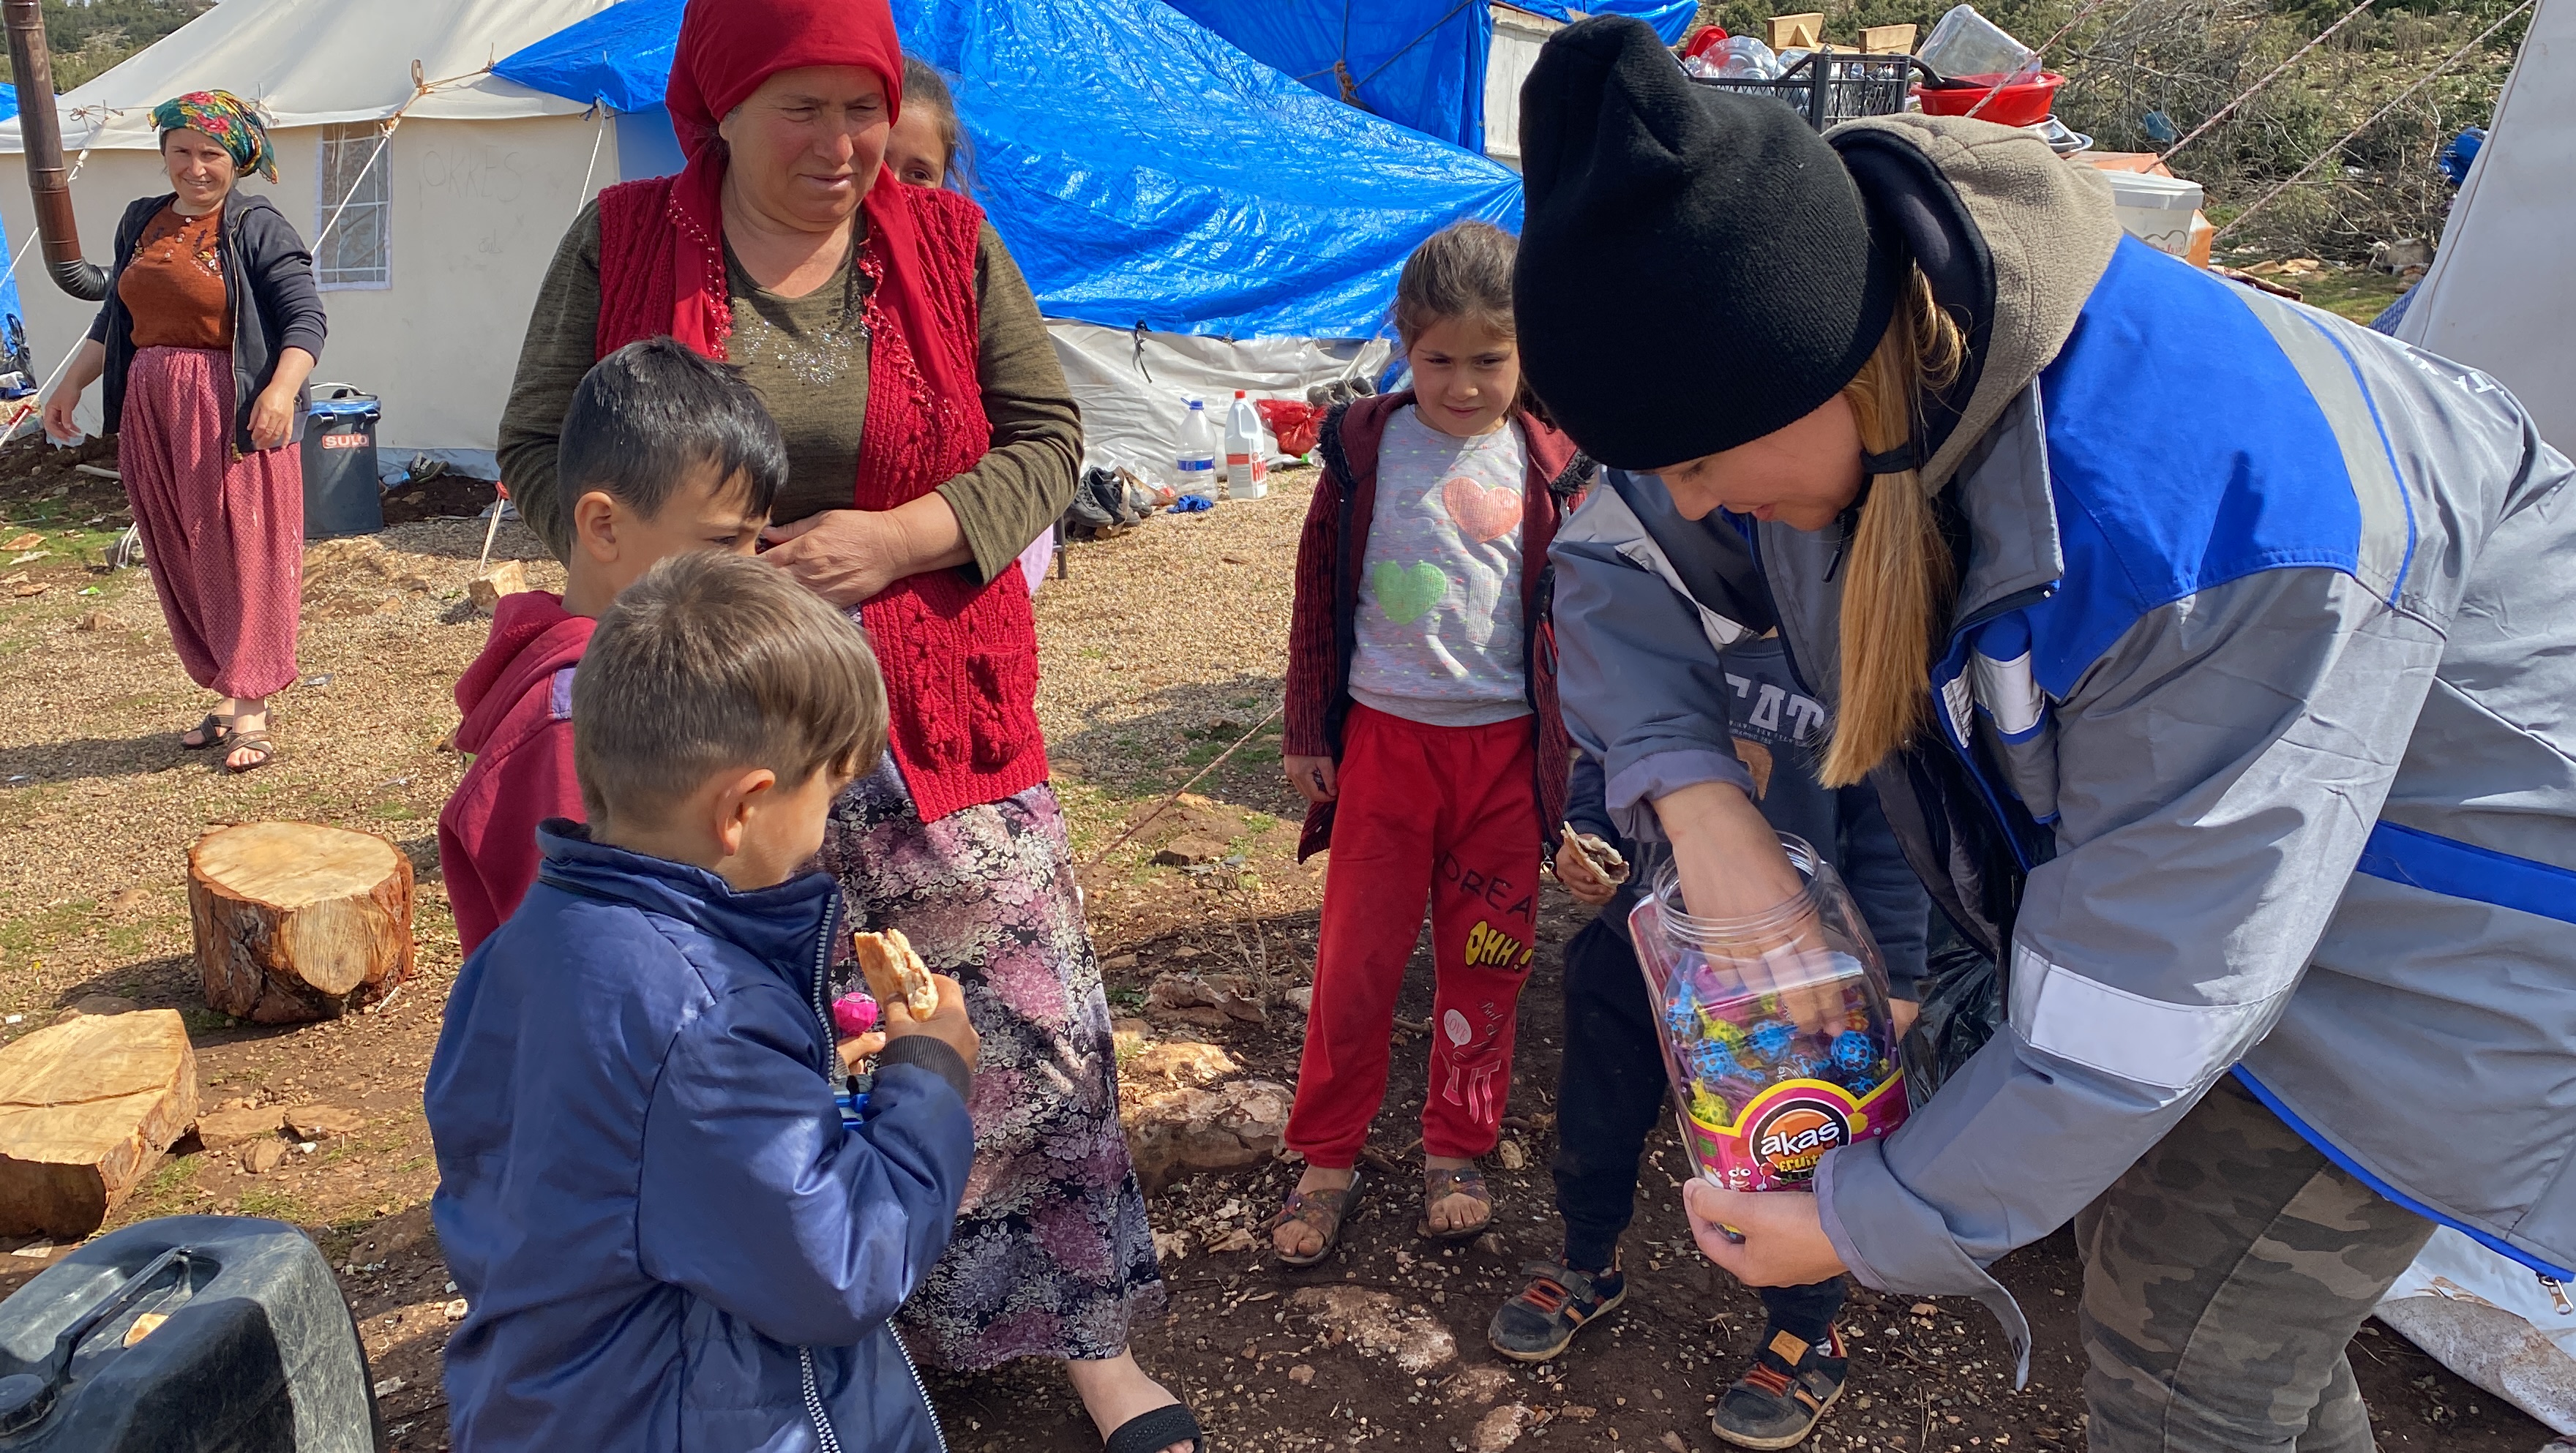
{"type": "Point", "coordinates": [223, 536]}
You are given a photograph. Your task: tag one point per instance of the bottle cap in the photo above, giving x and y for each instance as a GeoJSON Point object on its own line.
{"type": "Point", "coordinates": [1238, 393]}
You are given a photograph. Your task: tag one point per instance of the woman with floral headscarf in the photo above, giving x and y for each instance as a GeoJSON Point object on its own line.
{"type": "Point", "coordinates": [930, 436]}
{"type": "Point", "coordinates": [212, 324]}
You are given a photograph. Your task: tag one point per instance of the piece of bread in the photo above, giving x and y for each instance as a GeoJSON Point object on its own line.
{"type": "Point", "coordinates": [895, 974]}
{"type": "Point", "coordinates": [1604, 858]}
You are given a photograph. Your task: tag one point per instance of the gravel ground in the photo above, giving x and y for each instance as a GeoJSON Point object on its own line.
{"type": "Point", "coordinates": [1161, 650]}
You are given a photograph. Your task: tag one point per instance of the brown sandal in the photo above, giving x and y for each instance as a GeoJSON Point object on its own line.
{"type": "Point", "coordinates": [1439, 1183]}
{"type": "Point", "coordinates": [215, 729]}
{"type": "Point", "coordinates": [1323, 1211]}
{"type": "Point", "coordinates": [251, 741]}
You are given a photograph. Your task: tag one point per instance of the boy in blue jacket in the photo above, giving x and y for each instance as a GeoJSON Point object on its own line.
{"type": "Point", "coordinates": [665, 1231]}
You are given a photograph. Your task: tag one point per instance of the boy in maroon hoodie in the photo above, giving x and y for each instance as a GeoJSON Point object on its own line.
{"type": "Point", "coordinates": [662, 452]}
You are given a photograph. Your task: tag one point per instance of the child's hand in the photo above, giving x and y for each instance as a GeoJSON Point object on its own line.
{"type": "Point", "coordinates": [858, 1047]}
{"type": "Point", "coordinates": [1575, 871]}
{"type": "Point", "coordinates": [1315, 777]}
{"type": "Point", "coordinates": [947, 1024]}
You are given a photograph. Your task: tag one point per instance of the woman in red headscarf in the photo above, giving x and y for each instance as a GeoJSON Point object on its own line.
{"type": "Point", "coordinates": [930, 437]}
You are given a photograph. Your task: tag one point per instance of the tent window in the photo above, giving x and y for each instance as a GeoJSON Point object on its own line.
{"type": "Point", "coordinates": [358, 253]}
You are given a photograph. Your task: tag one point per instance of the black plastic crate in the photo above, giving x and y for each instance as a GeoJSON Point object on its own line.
{"type": "Point", "coordinates": [1854, 84]}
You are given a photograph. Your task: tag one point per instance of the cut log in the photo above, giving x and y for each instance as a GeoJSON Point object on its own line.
{"type": "Point", "coordinates": [85, 1109]}
{"type": "Point", "coordinates": [295, 921]}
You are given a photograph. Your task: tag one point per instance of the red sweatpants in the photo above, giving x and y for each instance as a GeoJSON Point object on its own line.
{"type": "Point", "coordinates": [1446, 814]}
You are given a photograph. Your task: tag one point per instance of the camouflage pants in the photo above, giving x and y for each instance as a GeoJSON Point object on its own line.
{"type": "Point", "coordinates": [2224, 1275]}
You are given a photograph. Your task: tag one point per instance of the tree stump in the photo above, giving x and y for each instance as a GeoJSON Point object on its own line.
{"type": "Point", "coordinates": [85, 1108]}
{"type": "Point", "coordinates": [296, 921]}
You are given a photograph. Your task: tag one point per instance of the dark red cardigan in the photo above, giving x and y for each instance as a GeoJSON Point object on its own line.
{"type": "Point", "coordinates": [1322, 631]}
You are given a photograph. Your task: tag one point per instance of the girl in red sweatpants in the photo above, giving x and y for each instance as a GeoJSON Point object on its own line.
{"type": "Point", "coordinates": [1424, 735]}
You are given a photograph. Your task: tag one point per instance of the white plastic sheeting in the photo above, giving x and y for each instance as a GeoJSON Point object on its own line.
{"type": "Point", "coordinates": [2500, 296]}
{"type": "Point", "coordinates": [1132, 407]}
{"type": "Point", "coordinates": [325, 63]}
{"type": "Point", "coordinates": [2492, 1321]}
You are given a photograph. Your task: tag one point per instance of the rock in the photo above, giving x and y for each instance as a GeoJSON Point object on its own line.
{"type": "Point", "coordinates": [1301, 998]}
{"type": "Point", "coordinates": [1491, 1243]}
{"type": "Point", "coordinates": [1179, 1131]}
{"type": "Point", "coordinates": [96, 1006]}
{"type": "Point", "coordinates": [262, 1156]}
{"type": "Point", "coordinates": [92, 621]}
{"type": "Point", "coordinates": [1501, 1428]}
{"type": "Point", "coordinates": [510, 577]}
{"type": "Point", "coordinates": [1674, 1441]}
{"type": "Point", "coordinates": [321, 1122]}
{"type": "Point", "coordinates": [1178, 991]}
{"type": "Point", "coordinates": [2399, 254]}
{"type": "Point", "coordinates": [1381, 1327]}
{"type": "Point", "coordinates": [1237, 1239]}
{"type": "Point", "coordinates": [1186, 951]}
{"type": "Point", "coordinates": [1923, 1309]}
{"type": "Point", "coordinates": [1512, 1157]}
{"type": "Point", "coordinates": [1302, 1375]}
{"type": "Point", "coordinates": [1205, 1016]}
{"type": "Point", "coordinates": [1119, 961]}
{"type": "Point", "coordinates": [1171, 1245]}
{"type": "Point", "coordinates": [1480, 1384]}
{"type": "Point", "coordinates": [85, 1109]}
{"type": "Point", "coordinates": [455, 1310]}
{"type": "Point", "coordinates": [239, 1102]}
{"type": "Point", "coordinates": [1578, 1412]}
{"type": "Point", "coordinates": [1182, 1063]}
{"type": "Point", "coordinates": [295, 921]}
{"type": "Point", "coordinates": [1188, 851]}
{"type": "Point", "coordinates": [223, 1129]}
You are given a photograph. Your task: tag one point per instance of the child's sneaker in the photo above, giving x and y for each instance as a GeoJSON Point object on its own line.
{"type": "Point", "coordinates": [1557, 1303]}
{"type": "Point", "coordinates": [1778, 1402]}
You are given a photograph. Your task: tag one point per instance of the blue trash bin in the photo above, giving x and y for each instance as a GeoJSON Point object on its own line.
{"type": "Point", "coordinates": [342, 495]}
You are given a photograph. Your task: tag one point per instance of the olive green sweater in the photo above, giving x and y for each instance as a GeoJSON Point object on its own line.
{"type": "Point", "coordinates": [812, 371]}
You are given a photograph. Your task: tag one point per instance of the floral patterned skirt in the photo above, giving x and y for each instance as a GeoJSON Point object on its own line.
{"type": "Point", "coordinates": [1051, 1256]}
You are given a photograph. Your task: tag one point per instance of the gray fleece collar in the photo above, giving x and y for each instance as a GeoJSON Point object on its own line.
{"type": "Point", "coordinates": [2045, 229]}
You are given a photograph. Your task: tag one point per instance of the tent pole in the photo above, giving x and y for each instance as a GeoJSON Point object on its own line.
{"type": "Point", "coordinates": [41, 129]}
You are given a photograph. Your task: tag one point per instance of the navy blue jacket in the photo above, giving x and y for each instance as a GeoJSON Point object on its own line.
{"type": "Point", "coordinates": [664, 1236]}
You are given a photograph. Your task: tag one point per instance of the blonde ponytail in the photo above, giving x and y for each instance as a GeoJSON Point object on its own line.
{"type": "Point", "coordinates": [1897, 578]}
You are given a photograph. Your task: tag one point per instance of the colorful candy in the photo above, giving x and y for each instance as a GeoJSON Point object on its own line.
{"type": "Point", "coordinates": [1772, 1038]}
{"type": "Point", "coordinates": [1854, 1050]}
{"type": "Point", "coordinates": [1711, 1062]}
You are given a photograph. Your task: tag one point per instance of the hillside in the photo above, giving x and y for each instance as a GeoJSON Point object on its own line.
{"type": "Point", "coordinates": [90, 36]}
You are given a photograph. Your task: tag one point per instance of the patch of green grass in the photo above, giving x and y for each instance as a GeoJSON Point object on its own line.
{"type": "Point", "coordinates": [2356, 293]}
{"type": "Point", "coordinates": [395, 811]}
{"type": "Point", "coordinates": [37, 930]}
{"type": "Point", "coordinates": [206, 1021]}
{"type": "Point", "coordinates": [417, 1162]}
{"type": "Point", "coordinates": [1130, 999]}
{"type": "Point", "coordinates": [1257, 823]}
{"type": "Point", "coordinates": [165, 1192]}
{"type": "Point", "coordinates": [275, 1206]}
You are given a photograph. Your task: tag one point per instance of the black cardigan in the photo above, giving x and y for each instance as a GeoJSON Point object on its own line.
{"type": "Point", "coordinates": [268, 275]}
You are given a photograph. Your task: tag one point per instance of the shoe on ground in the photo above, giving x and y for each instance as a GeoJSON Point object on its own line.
{"type": "Point", "coordinates": [1558, 1302]}
{"type": "Point", "coordinates": [1780, 1400]}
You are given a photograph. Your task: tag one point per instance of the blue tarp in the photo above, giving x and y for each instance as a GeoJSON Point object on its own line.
{"type": "Point", "coordinates": [1420, 63]}
{"type": "Point", "coordinates": [1140, 168]}
{"type": "Point", "coordinates": [8, 101]}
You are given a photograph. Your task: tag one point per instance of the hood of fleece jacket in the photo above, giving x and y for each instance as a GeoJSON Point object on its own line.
{"type": "Point", "coordinates": [2011, 237]}
{"type": "Point", "coordinates": [532, 638]}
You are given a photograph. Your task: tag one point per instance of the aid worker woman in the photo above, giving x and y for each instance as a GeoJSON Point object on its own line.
{"type": "Point", "coordinates": [2214, 655]}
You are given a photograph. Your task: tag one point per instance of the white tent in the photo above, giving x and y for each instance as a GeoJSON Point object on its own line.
{"type": "Point", "coordinates": [433, 265]}
{"type": "Point", "coordinates": [2500, 296]}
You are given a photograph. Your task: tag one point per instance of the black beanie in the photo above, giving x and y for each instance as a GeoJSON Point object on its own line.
{"type": "Point", "coordinates": [1696, 269]}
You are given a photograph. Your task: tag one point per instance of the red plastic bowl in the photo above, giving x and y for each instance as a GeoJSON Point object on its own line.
{"type": "Point", "coordinates": [2023, 103]}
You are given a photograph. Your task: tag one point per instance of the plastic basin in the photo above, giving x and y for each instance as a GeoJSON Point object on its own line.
{"type": "Point", "coordinates": [2023, 103]}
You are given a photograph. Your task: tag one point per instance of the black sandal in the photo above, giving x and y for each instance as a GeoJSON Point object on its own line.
{"type": "Point", "coordinates": [1152, 1432]}
{"type": "Point", "coordinates": [254, 742]}
{"type": "Point", "coordinates": [215, 729]}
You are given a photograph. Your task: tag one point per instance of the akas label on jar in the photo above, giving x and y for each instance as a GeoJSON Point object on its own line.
{"type": "Point", "coordinates": [1780, 1134]}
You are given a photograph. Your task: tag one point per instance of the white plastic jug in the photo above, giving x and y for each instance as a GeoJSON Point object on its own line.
{"type": "Point", "coordinates": [1247, 471]}
{"type": "Point", "coordinates": [1197, 459]}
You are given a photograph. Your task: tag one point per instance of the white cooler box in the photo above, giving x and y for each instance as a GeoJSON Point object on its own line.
{"type": "Point", "coordinates": [2156, 210]}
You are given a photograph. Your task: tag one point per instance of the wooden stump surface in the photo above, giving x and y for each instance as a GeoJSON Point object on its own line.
{"type": "Point", "coordinates": [296, 921]}
{"type": "Point", "coordinates": [85, 1107]}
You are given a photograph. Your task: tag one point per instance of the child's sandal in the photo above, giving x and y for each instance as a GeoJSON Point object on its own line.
{"type": "Point", "coordinates": [1441, 1182]}
{"type": "Point", "coordinates": [1322, 1211]}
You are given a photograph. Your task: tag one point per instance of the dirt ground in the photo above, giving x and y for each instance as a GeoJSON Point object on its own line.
{"type": "Point", "coordinates": [1161, 649]}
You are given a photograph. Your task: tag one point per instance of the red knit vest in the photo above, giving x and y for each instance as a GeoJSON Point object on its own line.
{"type": "Point", "coordinates": [960, 659]}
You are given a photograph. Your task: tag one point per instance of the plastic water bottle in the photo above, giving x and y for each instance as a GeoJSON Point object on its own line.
{"type": "Point", "coordinates": [1247, 473]}
{"type": "Point", "coordinates": [1198, 453]}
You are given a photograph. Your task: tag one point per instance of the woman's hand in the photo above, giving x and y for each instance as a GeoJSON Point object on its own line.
{"type": "Point", "coordinates": [1316, 778]}
{"type": "Point", "coordinates": [1784, 1241]}
{"type": "Point", "coordinates": [850, 556]}
{"type": "Point", "coordinates": [1731, 865]}
{"type": "Point", "coordinates": [1575, 871]}
{"type": "Point", "coordinates": [58, 414]}
{"type": "Point", "coordinates": [272, 416]}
